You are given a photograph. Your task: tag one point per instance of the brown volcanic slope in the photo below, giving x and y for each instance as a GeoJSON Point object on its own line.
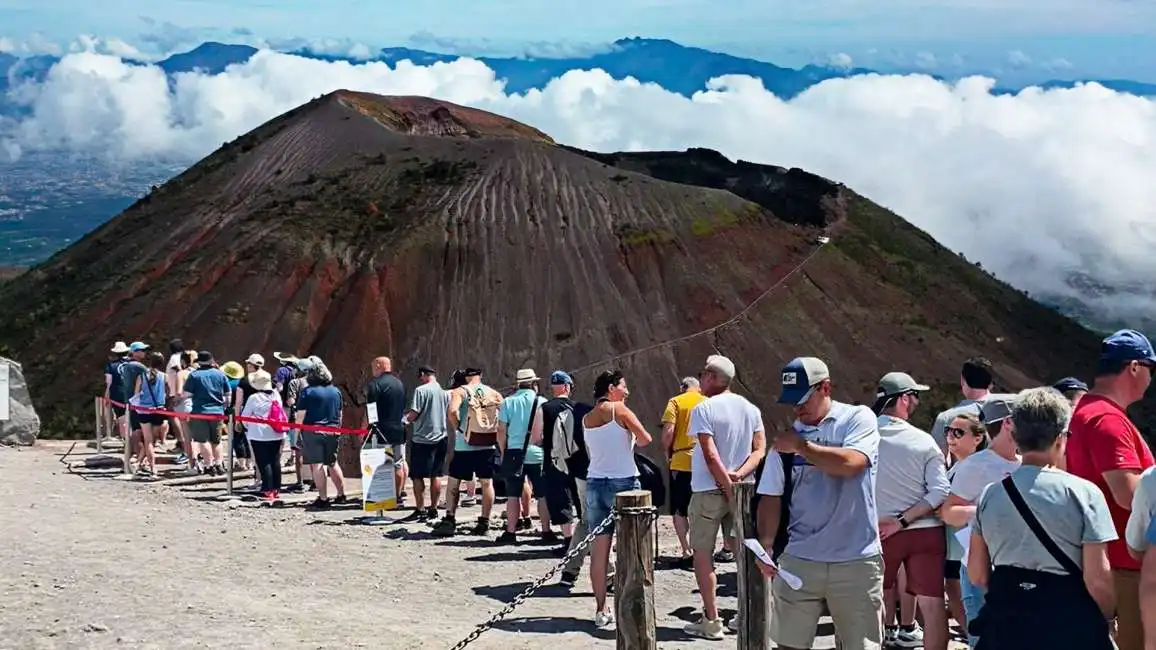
{"type": "Point", "coordinates": [359, 225]}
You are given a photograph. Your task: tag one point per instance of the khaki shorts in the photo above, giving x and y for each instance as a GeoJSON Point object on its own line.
{"type": "Point", "coordinates": [1128, 631]}
{"type": "Point", "coordinates": [708, 511]}
{"type": "Point", "coordinates": [852, 591]}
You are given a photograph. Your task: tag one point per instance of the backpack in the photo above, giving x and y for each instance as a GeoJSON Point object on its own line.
{"type": "Point", "coordinates": [482, 416]}
{"type": "Point", "coordinates": [278, 418]}
{"type": "Point", "coordinates": [562, 444]}
{"type": "Point", "coordinates": [650, 478]}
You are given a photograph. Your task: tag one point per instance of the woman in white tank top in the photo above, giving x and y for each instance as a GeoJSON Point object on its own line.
{"type": "Point", "coordinates": [611, 432]}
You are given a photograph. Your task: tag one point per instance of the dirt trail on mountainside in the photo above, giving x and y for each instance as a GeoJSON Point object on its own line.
{"type": "Point", "coordinates": [102, 563]}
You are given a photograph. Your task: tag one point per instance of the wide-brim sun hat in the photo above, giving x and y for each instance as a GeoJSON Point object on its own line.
{"type": "Point", "coordinates": [233, 370]}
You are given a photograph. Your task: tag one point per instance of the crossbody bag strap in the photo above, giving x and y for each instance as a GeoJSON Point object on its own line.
{"type": "Point", "coordinates": [1029, 518]}
{"type": "Point", "coordinates": [530, 425]}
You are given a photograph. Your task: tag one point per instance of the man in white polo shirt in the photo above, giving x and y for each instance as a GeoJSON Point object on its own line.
{"type": "Point", "coordinates": [731, 443]}
{"type": "Point", "coordinates": [910, 486]}
{"type": "Point", "coordinates": [833, 540]}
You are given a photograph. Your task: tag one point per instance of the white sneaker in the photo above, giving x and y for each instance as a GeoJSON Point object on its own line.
{"type": "Point", "coordinates": [733, 626]}
{"type": "Point", "coordinates": [706, 628]}
{"type": "Point", "coordinates": [603, 620]}
{"type": "Point", "coordinates": [912, 639]}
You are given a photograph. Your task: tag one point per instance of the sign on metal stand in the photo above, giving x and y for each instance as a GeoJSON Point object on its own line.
{"type": "Point", "coordinates": [4, 411]}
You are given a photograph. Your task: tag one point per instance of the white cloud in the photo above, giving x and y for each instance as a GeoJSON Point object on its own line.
{"type": "Point", "coordinates": [840, 60]}
{"type": "Point", "coordinates": [1035, 185]}
{"type": "Point", "coordinates": [1018, 59]}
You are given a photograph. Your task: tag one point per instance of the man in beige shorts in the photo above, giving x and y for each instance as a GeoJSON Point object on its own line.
{"type": "Point", "coordinates": [833, 543]}
{"type": "Point", "coordinates": [731, 443]}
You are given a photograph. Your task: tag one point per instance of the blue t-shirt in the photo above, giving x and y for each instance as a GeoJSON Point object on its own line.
{"type": "Point", "coordinates": [152, 393]}
{"type": "Point", "coordinates": [208, 386]}
{"type": "Point", "coordinates": [321, 404]}
{"type": "Point", "coordinates": [832, 519]}
{"type": "Point", "coordinates": [515, 413]}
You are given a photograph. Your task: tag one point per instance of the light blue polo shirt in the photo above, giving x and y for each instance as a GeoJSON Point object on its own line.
{"type": "Point", "coordinates": [515, 413]}
{"type": "Point", "coordinates": [832, 519]}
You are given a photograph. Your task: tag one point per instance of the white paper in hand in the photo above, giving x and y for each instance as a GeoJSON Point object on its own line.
{"type": "Point", "coordinates": [963, 536]}
{"type": "Point", "coordinates": [371, 412]}
{"type": "Point", "coordinates": [793, 581]}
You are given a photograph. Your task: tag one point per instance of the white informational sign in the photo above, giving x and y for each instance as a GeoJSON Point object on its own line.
{"type": "Point", "coordinates": [793, 581]}
{"type": "Point", "coordinates": [963, 536]}
{"type": "Point", "coordinates": [371, 411]}
{"type": "Point", "coordinates": [4, 413]}
{"type": "Point", "coordinates": [378, 491]}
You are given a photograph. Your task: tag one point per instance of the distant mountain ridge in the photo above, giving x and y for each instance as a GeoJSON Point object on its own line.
{"type": "Point", "coordinates": [676, 67]}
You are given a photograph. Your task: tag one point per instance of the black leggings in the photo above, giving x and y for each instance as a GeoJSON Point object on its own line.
{"type": "Point", "coordinates": [268, 459]}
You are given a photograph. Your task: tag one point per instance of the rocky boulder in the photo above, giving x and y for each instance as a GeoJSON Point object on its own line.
{"type": "Point", "coordinates": [22, 425]}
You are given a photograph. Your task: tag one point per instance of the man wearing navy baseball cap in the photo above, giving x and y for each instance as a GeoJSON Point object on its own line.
{"type": "Point", "coordinates": [833, 540]}
{"type": "Point", "coordinates": [1072, 388]}
{"type": "Point", "coordinates": [1106, 448]}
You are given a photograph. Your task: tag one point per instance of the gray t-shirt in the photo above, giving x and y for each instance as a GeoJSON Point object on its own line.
{"type": "Point", "coordinates": [430, 401]}
{"type": "Point", "coordinates": [911, 469]}
{"type": "Point", "coordinates": [1072, 510]}
{"type": "Point", "coordinates": [130, 372]}
{"type": "Point", "coordinates": [832, 519]}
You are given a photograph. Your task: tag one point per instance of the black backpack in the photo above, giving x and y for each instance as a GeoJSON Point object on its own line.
{"type": "Point", "coordinates": [781, 536]}
{"type": "Point", "coordinates": [650, 478]}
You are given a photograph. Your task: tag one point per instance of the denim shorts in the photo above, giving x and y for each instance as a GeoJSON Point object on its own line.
{"type": "Point", "coordinates": [600, 499]}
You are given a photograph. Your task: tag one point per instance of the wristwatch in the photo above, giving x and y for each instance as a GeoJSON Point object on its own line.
{"type": "Point", "coordinates": [903, 523]}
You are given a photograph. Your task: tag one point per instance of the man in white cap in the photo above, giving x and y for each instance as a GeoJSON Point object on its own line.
{"type": "Point", "coordinates": [910, 486]}
{"type": "Point", "coordinates": [517, 424]}
{"type": "Point", "coordinates": [114, 389]}
{"type": "Point", "coordinates": [833, 541]}
{"type": "Point", "coordinates": [731, 444]}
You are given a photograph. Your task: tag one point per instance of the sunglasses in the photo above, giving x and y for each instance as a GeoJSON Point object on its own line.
{"type": "Point", "coordinates": [956, 432]}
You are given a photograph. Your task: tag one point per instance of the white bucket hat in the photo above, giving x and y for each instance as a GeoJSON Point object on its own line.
{"type": "Point", "coordinates": [120, 347]}
{"type": "Point", "coordinates": [260, 380]}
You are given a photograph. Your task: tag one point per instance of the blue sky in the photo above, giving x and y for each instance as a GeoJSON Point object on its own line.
{"type": "Point", "coordinates": [1032, 38]}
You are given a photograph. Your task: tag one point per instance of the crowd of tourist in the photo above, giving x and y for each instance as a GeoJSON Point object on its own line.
{"type": "Point", "coordinates": [1025, 517]}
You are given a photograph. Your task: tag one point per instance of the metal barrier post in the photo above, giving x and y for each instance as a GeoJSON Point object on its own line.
{"type": "Point", "coordinates": [128, 439]}
{"type": "Point", "coordinates": [100, 421]}
{"type": "Point", "coordinates": [229, 462]}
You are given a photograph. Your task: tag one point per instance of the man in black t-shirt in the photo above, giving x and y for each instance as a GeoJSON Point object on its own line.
{"type": "Point", "coordinates": [388, 392]}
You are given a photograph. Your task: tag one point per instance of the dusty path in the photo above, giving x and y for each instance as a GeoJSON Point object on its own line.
{"type": "Point", "coordinates": [102, 563]}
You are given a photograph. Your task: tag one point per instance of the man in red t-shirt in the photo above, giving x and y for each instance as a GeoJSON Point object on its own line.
{"type": "Point", "coordinates": [1105, 448]}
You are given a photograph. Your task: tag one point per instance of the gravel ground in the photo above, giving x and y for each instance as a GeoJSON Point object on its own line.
{"type": "Point", "coordinates": [98, 562]}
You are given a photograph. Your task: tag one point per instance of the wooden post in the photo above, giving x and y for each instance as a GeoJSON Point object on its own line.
{"type": "Point", "coordinates": [754, 594]}
{"type": "Point", "coordinates": [634, 572]}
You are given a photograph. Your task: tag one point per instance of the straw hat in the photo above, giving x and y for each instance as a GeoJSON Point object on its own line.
{"type": "Point", "coordinates": [260, 380]}
{"type": "Point", "coordinates": [233, 370]}
{"type": "Point", "coordinates": [526, 375]}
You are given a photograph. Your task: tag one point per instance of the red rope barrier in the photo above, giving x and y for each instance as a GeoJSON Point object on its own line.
{"type": "Point", "coordinates": [316, 428]}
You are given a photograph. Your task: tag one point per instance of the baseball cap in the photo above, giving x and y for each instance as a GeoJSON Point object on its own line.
{"type": "Point", "coordinates": [1069, 383]}
{"type": "Point", "coordinates": [137, 346]}
{"type": "Point", "coordinates": [722, 365]}
{"type": "Point", "coordinates": [256, 360]}
{"type": "Point", "coordinates": [305, 365]}
{"type": "Point", "coordinates": [426, 371]}
{"type": "Point", "coordinates": [800, 377]}
{"type": "Point", "coordinates": [561, 378]}
{"type": "Point", "coordinates": [473, 372]}
{"type": "Point", "coordinates": [898, 383]}
{"type": "Point", "coordinates": [204, 357]}
{"type": "Point", "coordinates": [1125, 345]}
{"type": "Point", "coordinates": [997, 408]}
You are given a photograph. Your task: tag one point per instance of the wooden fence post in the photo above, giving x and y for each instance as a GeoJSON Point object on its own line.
{"type": "Point", "coordinates": [634, 571]}
{"type": "Point", "coordinates": [754, 595]}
